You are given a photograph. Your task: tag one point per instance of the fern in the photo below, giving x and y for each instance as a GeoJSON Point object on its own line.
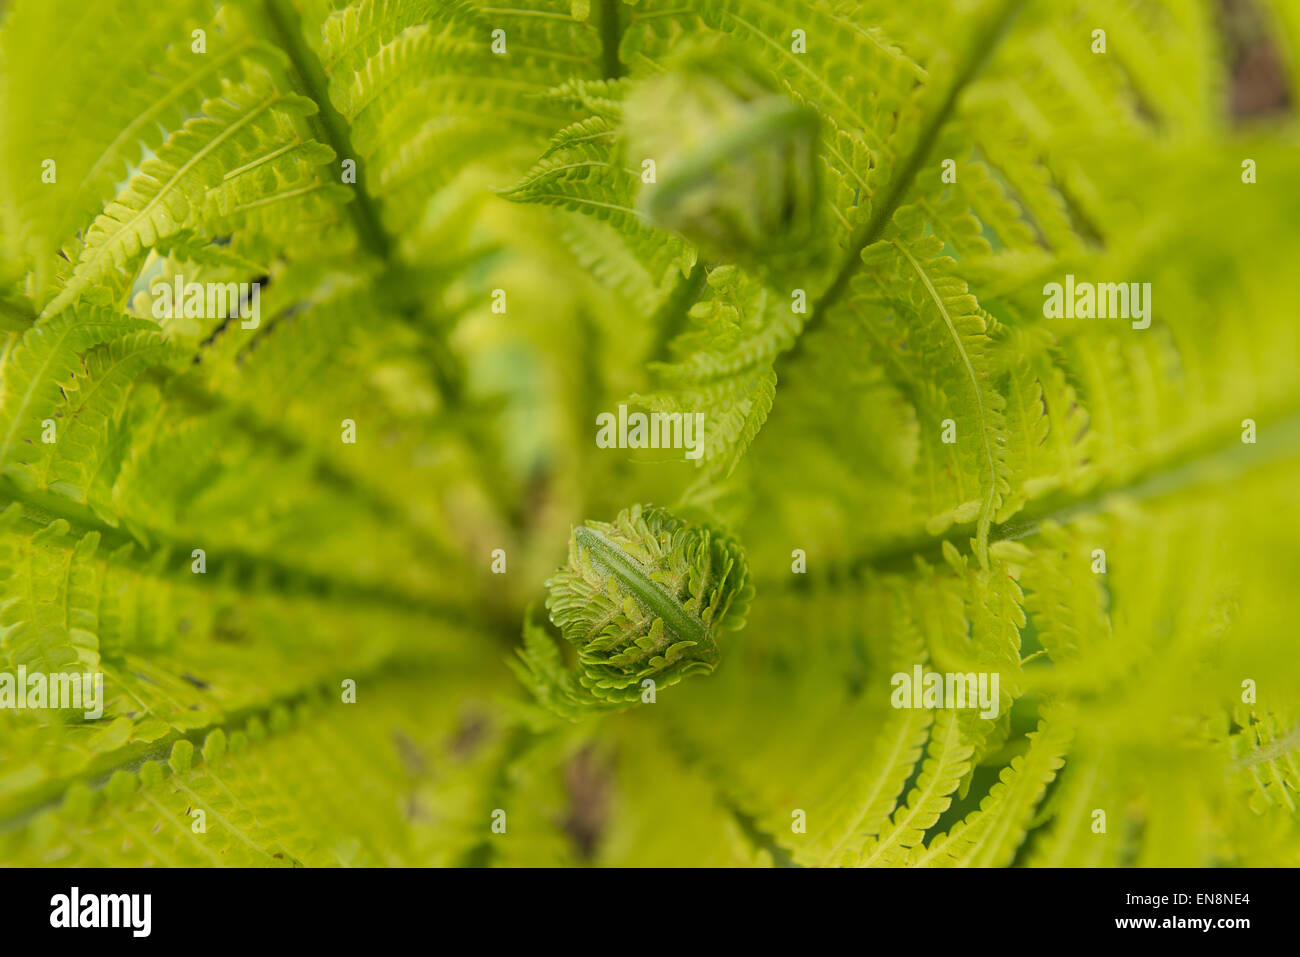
{"type": "Point", "coordinates": [309, 556]}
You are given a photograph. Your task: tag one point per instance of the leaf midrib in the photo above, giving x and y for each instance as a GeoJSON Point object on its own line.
{"type": "Point", "coordinates": [981, 413]}
{"type": "Point", "coordinates": [86, 266]}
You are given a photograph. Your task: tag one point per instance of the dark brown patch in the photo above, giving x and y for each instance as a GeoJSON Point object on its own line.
{"type": "Point", "coordinates": [471, 731]}
{"type": "Point", "coordinates": [412, 757]}
{"type": "Point", "coordinates": [1258, 79]}
{"type": "Point", "coordinates": [589, 783]}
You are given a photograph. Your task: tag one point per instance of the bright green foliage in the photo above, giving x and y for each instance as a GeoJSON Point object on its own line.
{"type": "Point", "coordinates": [837, 253]}
{"type": "Point", "coordinates": [642, 599]}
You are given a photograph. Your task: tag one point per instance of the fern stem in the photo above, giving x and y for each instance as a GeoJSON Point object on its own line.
{"type": "Point", "coordinates": [264, 430]}
{"type": "Point", "coordinates": [901, 183]}
{"type": "Point", "coordinates": [253, 570]}
{"type": "Point", "coordinates": [287, 28]}
{"type": "Point", "coordinates": [20, 806]}
{"type": "Point", "coordinates": [444, 365]}
{"type": "Point", "coordinates": [1190, 471]}
{"type": "Point", "coordinates": [611, 34]}
{"type": "Point", "coordinates": [333, 129]}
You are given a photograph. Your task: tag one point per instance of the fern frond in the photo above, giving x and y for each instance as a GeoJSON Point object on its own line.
{"type": "Point", "coordinates": [49, 608]}
{"type": "Point", "coordinates": [990, 836]}
{"type": "Point", "coordinates": [826, 226]}
{"type": "Point", "coordinates": [252, 781]}
{"type": "Point", "coordinates": [725, 366]}
{"type": "Point", "coordinates": [946, 327]}
{"type": "Point", "coordinates": [39, 370]}
{"type": "Point", "coordinates": [167, 192]}
{"type": "Point", "coordinates": [586, 169]}
{"type": "Point", "coordinates": [947, 763]}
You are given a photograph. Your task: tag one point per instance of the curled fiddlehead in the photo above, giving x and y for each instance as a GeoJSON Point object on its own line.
{"type": "Point", "coordinates": [737, 160]}
{"type": "Point", "coordinates": [642, 597]}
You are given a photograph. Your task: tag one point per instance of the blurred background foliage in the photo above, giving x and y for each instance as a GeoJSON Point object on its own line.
{"type": "Point", "coordinates": [220, 156]}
